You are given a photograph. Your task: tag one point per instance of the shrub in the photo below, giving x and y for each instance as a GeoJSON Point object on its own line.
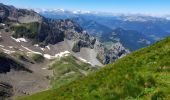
{"type": "Point", "coordinates": [38, 58]}
{"type": "Point", "coordinates": [158, 96]}
{"type": "Point", "coordinates": [150, 82]}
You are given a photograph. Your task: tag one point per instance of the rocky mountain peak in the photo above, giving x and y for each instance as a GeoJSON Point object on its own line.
{"type": "Point", "coordinates": [18, 15]}
{"type": "Point", "coordinates": [22, 23]}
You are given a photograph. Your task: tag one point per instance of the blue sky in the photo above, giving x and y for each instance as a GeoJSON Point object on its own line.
{"type": "Point", "coordinates": [117, 6]}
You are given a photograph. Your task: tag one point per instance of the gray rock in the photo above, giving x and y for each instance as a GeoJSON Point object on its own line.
{"type": "Point", "coordinates": [6, 91]}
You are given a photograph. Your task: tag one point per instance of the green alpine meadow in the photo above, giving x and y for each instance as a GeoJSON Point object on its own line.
{"type": "Point", "coordinates": [141, 75]}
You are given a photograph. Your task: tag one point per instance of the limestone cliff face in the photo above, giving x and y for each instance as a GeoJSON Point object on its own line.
{"type": "Point", "coordinates": [21, 15]}
{"type": "Point", "coordinates": [44, 31]}
{"type": "Point", "coordinates": [107, 56]}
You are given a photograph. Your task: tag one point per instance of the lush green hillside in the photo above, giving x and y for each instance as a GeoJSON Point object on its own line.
{"type": "Point", "coordinates": [142, 75]}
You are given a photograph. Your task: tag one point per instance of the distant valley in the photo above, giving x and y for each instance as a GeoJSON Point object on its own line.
{"type": "Point", "coordinates": [110, 28]}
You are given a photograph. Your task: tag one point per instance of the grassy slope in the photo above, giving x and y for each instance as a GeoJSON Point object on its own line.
{"type": "Point", "coordinates": [142, 75]}
{"type": "Point", "coordinates": [68, 69]}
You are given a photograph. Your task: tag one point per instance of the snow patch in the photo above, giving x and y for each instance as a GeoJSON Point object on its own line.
{"type": "Point", "coordinates": [7, 51]}
{"type": "Point", "coordinates": [48, 56]}
{"type": "Point", "coordinates": [62, 54]}
{"type": "Point", "coordinates": [31, 51]}
{"type": "Point", "coordinates": [2, 24]}
{"type": "Point", "coordinates": [48, 47]}
{"type": "Point", "coordinates": [36, 45]}
{"type": "Point", "coordinates": [19, 39]}
{"type": "Point", "coordinates": [44, 68]}
{"type": "Point", "coordinates": [59, 55]}
{"type": "Point", "coordinates": [84, 60]}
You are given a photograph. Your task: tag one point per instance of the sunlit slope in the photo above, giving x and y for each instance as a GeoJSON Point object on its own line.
{"type": "Point", "coordinates": [144, 74]}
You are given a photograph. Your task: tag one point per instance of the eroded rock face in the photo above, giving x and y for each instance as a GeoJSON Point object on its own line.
{"type": "Point", "coordinates": [6, 91]}
{"type": "Point", "coordinates": [49, 33]}
{"type": "Point", "coordinates": [108, 56]}
{"type": "Point", "coordinates": [7, 63]}
{"type": "Point", "coordinates": [54, 31]}
{"type": "Point", "coordinates": [82, 43]}
{"type": "Point", "coordinates": [117, 51]}
{"type": "Point", "coordinates": [20, 15]}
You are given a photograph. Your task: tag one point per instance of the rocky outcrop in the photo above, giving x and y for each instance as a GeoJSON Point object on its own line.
{"type": "Point", "coordinates": [117, 51]}
{"type": "Point", "coordinates": [10, 13]}
{"type": "Point", "coordinates": [54, 31]}
{"type": "Point", "coordinates": [7, 63]}
{"type": "Point", "coordinates": [84, 43]}
{"type": "Point", "coordinates": [107, 56]}
{"type": "Point", "coordinates": [6, 91]}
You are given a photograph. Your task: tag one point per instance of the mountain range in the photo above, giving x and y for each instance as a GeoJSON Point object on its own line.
{"type": "Point", "coordinates": [65, 54]}
{"type": "Point", "coordinates": [147, 29]}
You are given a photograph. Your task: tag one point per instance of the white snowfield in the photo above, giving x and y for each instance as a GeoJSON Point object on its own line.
{"type": "Point", "coordinates": [59, 55]}
{"type": "Point", "coordinates": [19, 39]}
{"type": "Point", "coordinates": [31, 51]}
{"type": "Point", "coordinates": [62, 54]}
{"type": "Point", "coordinates": [84, 60]}
{"type": "Point", "coordinates": [49, 56]}
{"type": "Point", "coordinates": [43, 49]}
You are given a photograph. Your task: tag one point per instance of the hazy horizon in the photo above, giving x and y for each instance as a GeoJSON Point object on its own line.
{"type": "Point", "coordinates": [151, 7]}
